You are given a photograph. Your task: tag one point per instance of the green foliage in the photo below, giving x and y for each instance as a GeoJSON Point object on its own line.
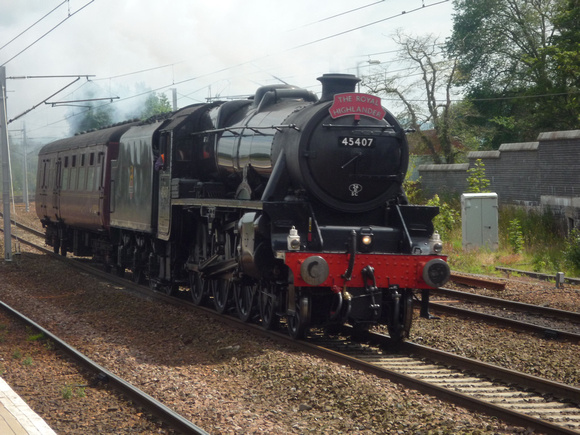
{"type": "Point", "coordinates": [540, 230]}
{"type": "Point", "coordinates": [445, 221]}
{"type": "Point", "coordinates": [100, 114]}
{"type": "Point", "coordinates": [504, 51]}
{"type": "Point", "coordinates": [67, 392]}
{"type": "Point", "coordinates": [17, 354]}
{"type": "Point", "coordinates": [155, 105]}
{"type": "Point", "coordinates": [33, 335]}
{"type": "Point", "coordinates": [541, 243]}
{"type": "Point", "coordinates": [572, 251]}
{"type": "Point", "coordinates": [476, 179]}
{"type": "Point", "coordinates": [506, 122]}
{"type": "Point", "coordinates": [413, 191]}
{"type": "Point", "coordinates": [412, 188]}
{"type": "Point", "coordinates": [95, 117]}
{"type": "Point", "coordinates": [71, 390]}
{"type": "Point", "coordinates": [27, 361]}
{"type": "Point", "coordinates": [515, 236]}
{"type": "Point", "coordinates": [467, 127]}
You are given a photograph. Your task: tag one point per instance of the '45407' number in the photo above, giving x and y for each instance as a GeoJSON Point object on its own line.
{"type": "Point", "coordinates": [366, 142]}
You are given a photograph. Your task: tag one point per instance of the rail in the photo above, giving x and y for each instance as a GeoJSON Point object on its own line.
{"type": "Point", "coordinates": [146, 401]}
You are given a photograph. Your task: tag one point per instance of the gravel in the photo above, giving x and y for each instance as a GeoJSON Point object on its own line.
{"type": "Point", "coordinates": [552, 359]}
{"type": "Point", "coordinates": [228, 381]}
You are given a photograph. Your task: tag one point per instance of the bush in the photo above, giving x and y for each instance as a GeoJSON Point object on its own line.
{"type": "Point", "coordinates": [413, 191]}
{"type": "Point", "coordinates": [445, 221]}
{"type": "Point", "coordinates": [515, 236]}
{"type": "Point", "coordinates": [412, 188]}
{"type": "Point", "coordinates": [572, 250]}
{"type": "Point", "coordinates": [476, 179]}
{"type": "Point", "coordinates": [538, 229]}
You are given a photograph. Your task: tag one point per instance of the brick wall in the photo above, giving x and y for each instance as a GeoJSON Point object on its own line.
{"type": "Point", "coordinates": [559, 163]}
{"type": "Point", "coordinates": [518, 172]}
{"type": "Point", "coordinates": [540, 174]}
{"type": "Point", "coordinates": [443, 179]}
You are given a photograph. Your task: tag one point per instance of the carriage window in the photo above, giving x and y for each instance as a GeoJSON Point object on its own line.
{"type": "Point", "coordinates": [73, 179]}
{"type": "Point", "coordinates": [91, 179]}
{"type": "Point", "coordinates": [74, 161]}
{"type": "Point", "coordinates": [98, 170]}
{"type": "Point", "coordinates": [44, 173]}
{"type": "Point", "coordinates": [82, 178]}
{"type": "Point", "coordinates": [49, 181]}
{"type": "Point", "coordinates": [82, 174]}
{"type": "Point", "coordinates": [65, 178]}
{"type": "Point", "coordinates": [92, 159]}
{"type": "Point", "coordinates": [66, 161]}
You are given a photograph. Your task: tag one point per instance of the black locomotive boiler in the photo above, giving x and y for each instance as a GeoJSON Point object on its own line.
{"type": "Point", "coordinates": [282, 206]}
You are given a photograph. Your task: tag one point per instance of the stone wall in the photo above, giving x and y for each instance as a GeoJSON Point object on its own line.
{"type": "Point", "coordinates": [542, 174]}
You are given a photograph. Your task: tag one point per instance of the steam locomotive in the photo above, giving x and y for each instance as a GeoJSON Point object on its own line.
{"type": "Point", "coordinates": [282, 206]}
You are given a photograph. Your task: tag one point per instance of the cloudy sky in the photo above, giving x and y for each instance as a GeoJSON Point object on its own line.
{"type": "Point", "coordinates": [202, 48]}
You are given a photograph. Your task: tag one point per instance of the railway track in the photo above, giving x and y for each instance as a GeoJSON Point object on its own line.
{"type": "Point", "coordinates": [465, 382]}
{"type": "Point", "coordinates": [541, 276]}
{"type": "Point", "coordinates": [524, 400]}
{"type": "Point", "coordinates": [157, 408]}
{"type": "Point", "coordinates": [547, 320]}
{"type": "Point", "coordinates": [504, 303]}
{"type": "Point", "coordinates": [520, 399]}
{"type": "Point", "coordinates": [500, 319]}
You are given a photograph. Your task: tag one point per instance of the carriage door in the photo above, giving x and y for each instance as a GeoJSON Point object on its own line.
{"type": "Point", "coordinates": [164, 199]}
{"type": "Point", "coordinates": [56, 187]}
{"type": "Point", "coordinates": [42, 189]}
{"type": "Point", "coordinates": [100, 183]}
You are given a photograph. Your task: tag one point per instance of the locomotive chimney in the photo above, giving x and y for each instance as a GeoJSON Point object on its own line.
{"type": "Point", "coordinates": [333, 84]}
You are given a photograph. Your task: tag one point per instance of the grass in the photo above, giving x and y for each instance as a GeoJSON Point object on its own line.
{"type": "Point", "coordinates": [3, 331]}
{"type": "Point", "coordinates": [32, 335]}
{"type": "Point", "coordinates": [73, 390]}
{"type": "Point", "coordinates": [542, 250]}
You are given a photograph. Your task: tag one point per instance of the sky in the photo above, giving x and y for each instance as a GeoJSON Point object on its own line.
{"type": "Point", "coordinates": [218, 48]}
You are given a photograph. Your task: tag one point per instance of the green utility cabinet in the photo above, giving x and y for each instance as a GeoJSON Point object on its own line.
{"type": "Point", "coordinates": [479, 217]}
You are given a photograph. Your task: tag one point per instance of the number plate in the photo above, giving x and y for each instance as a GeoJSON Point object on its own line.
{"type": "Point", "coordinates": [356, 142]}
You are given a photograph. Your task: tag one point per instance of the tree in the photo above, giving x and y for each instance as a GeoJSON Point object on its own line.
{"type": "Point", "coordinates": [94, 118]}
{"type": "Point", "coordinates": [155, 104]}
{"type": "Point", "coordinates": [427, 100]}
{"type": "Point", "coordinates": [100, 115]}
{"type": "Point", "coordinates": [507, 69]}
{"type": "Point", "coordinates": [96, 115]}
{"type": "Point", "coordinates": [476, 179]}
{"type": "Point", "coordinates": [565, 52]}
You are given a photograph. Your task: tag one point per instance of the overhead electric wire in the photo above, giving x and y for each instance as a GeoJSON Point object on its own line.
{"type": "Point", "coordinates": [367, 25]}
{"type": "Point", "coordinates": [442, 44]}
{"type": "Point", "coordinates": [139, 72]}
{"type": "Point", "coordinates": [339, 14]}
{"type": "Point", "coordinates": [31, 26]}
{"type": "Point", "coordinates": [309, 43]}
{"type": "Point", "coordinates": [26, 48]}
{"type": "Point", "coordinates": [174, 83]}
